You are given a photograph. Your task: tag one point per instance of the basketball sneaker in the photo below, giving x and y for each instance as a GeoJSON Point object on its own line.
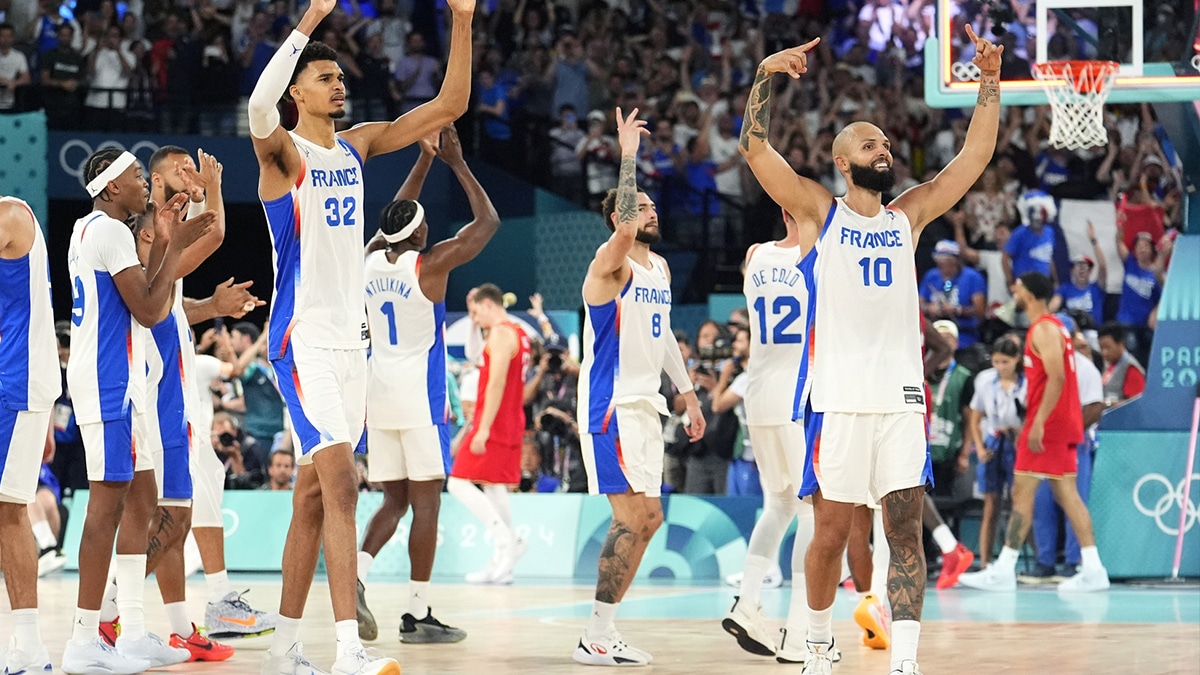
{"type": "Point", "coordinates": [483, 576]}
{"type": "Point", "coordinates": [797, 652]}
{"type": "Point", "coordinates": [508, 560]}
{"type": "Point", "coordinates": [367, 628]}
{"type": "Point", "coordinates": [110, 631]}
{"type": "Point", "coordinates": [233, 617]}
{"type": "Point", "coordinates": [772, 579]}
{"type": "Point", "coordinates": [291, 663]}
{"type": "Point", "coordinates": [18, 661]}
{"type": "Point", "coordinates": [97, 657]}
{"type": "Point", "coordinates": [362, 661]}
{"type": "Point", "coordinates": [873, 616]}
{"type": "Point", "coordinates": [608, 650]}
{"type": "Point", "coordinates": [991, 578]}
{"type": "Point", "coordinates": [746, 624]}
{"type": "Point", "coordinates": [954, 564]}
{"type": "Point", "coordinates": [907, 668]}
{"type": "Point", "coordinates": [49, 561]}
{"type": "Point", "coordinates": [1087, 581]}
{"type": "Point", "coordinates": [150, 647]}
{"type": "Point", "coordinates": [200, 647]}
{"type": "Point", "coordinates": [428, 630]}
{"type": "Point", "coordinates": [819, 660]}
{"type": "Point", "coordinates": [1041, 574]}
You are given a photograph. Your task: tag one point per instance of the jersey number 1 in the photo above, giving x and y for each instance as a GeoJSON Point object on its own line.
{"type": "Point", "coordinates": [881, 269]}
{"type": "Point", "coordinates": [389, 310]}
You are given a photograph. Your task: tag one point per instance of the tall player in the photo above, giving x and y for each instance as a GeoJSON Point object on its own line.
{"type": "Point", "coordinates": [1046, 448]}
{"type": "Point", "coordinates": [490, 453]}
{"type": "Point", "coordinates": [776, 282]}
{"type": "Point", "coordinates": [627, 330]}
{"type": "Point", "coordinates": [27, 353]}
{"type": "Point", "coordinates": [868, 391]}
{"type": "Point", "coordinates": [115, 300]}
{"type": "Point", "coordinates": [310, 183]}
{"type": "Point", "coordinates": [408, 437]}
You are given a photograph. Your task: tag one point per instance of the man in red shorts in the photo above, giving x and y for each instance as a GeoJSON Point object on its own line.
{"type": "Point", "coordinates": [490, 453]}
{"type": "Point", "coordinates": [1046, 446]}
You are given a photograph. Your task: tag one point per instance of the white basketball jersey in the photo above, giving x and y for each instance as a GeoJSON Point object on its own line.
{"type": "Point", "coordinates": [107, 370]}
{"type": "Point", "coordinates": [317, 236]}
{"type": "Point", "coordinates": [777, 297]}
{"type": "Point", "coordinates": [625, 345]}
{"type": "Point", "coordinates": [867, 338]}
{"type": "Point", "coordinates": [27, 343]}
{"type": "Point", "coordinates": [406, 388]}
{"type": "Point", "coordinates": [200, 416]}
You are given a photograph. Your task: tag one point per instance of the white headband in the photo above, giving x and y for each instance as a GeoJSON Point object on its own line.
{"type": "Point", "coordinates": [122, 162]}
{"type": "Point", "coordinates": [407, 230]}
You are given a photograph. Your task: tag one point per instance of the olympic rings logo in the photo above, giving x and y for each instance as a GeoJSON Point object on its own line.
{"type": "Point", "coordinates": [965, 71]}
{"type": "Point", "coordinates": [74, 154]}
{"type": "Point", "coordinates": [1170, 496]}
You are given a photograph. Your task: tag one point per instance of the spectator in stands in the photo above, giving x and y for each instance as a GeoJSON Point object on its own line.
{"type": "Point", "coordinates": [375, 94]}
{"type": "Point", "coordinates": [1031, 246]}
{"type": "Point", "coordinates": [109, 69]}
{"type": "Point", "coordinates": [259, 404]}
{"type": "Point", "coordinates": [708, 459]}
{"type": "Point", "coordinates": [1139, 208]}
{"type": "Point", "coordinates": [952, 387]}
{"type": "Point", "coordinates": [1140, 291]}
{"type": "Point", "coordinates": [244, 457]}
{"type": "Point", "coordinates": [218, 79]}
{"type": "Point", "coordinates": [731, 389]}
{"type": "Point", "coordinates": [43, 30]}
{"type": "Point", "coordinates": [954, 292]}
{"type": "Point", "coordinates": [986, 206]}
{"type": "Point", "coordinates": [14, 68]}
{"type": "Point", "coordinates": [1124, 377]}
{"type": "Point", "coordinates": [62, 79]}
{"type": "Point", "coordinates": [675, 439]}
{"type": "Point", "coordinates": [492, 106]}
{"type": "Point", "coordinates": [417, 74]}
{"type": "Point", "coordinates": [1082, 293]}
{"type": "Point", "coordinates": [570, 73]}
{"type": "Point", "coordinates": [598, 150]}
{"type": "Point", "coordinates": [281, 471]}
{"type": "Point", "coordinates": [566, 169]}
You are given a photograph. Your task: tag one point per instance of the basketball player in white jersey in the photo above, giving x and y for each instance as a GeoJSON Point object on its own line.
{"type": "Point", "coordinates": [310, 183]}
{"type": "Point", "coordinates": [114, 301]}
{"type": "Point", "coordinates": [868, 399]}
{"type": "Point", "coordinates": [408, 432]}
{"type": "Point", "coordinates": [27, 395]}
{"type": "Point", "coordinates": [619, 422]}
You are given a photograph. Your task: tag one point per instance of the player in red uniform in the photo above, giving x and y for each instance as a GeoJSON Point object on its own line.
{"type": "Point", "coordinates": [490, 453]}
{"type": "Point", "coordinates": [1046, 446]}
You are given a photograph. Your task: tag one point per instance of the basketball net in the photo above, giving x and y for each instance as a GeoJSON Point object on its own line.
{"type": "Point", "coordinates": [1077, 91]}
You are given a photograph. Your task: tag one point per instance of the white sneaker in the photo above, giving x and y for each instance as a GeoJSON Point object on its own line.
{"type": "Point", "coordinates": [797, 651]}
{"type": "Point", "coordinates": [508, 560]}
{"type": "Point", "coordinates": [772, 579]}
{"type": "Point", "coordinates": [51, 561]}
{"type": "Point", "coordinates": [1086, 581]}
{"type": "Point", "coordinates": [819, 660]}
{"type": "Point", "coordinates": [17, 661]}
{"type": "Point", "coordinates": [608, 650]}
{"type": "Point", "coordinates": [150, 647]}
{"type": "Point", "coordinates": [907, 668]}
{"type": "Point", "coordinates": [291, 663]}
{"type": "Point", "coordinates": [483, 576]}
{"type": "Point", "coordinates": [991, 578]}
{"type": "Point", "coordinates": [97, 658]}
{"type": "Point", "coordinates": [746, 624]}
{"type": "Point", "coordinates": [364, 662]}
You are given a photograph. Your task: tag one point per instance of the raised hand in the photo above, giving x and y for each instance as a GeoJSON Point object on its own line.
{"type": "Point", "coordinates": [233, 300]}
{"type": "Point", "coordinates": [535, 304]}
{"type": "Point", "coordinates": [629, 132]}
{"type": "Point", "coordinates": [451, 152]}
{"type": "Point", "coordinates": [166, 215]}
{"type": "Point", "coordinates": [211, 170]}
{"type": "Point", "coordinates": [429, 144]}
{"type": "Point", "coordinates": [792, 61]}
{"type": "Point", "coordinates": [322, 7]}
{"type": "Point", "coordinates": [184, 233]}
{"type": "Point", "coordinates": [462, 6]}
{"type": "Point", "coordinates": [987, 55]}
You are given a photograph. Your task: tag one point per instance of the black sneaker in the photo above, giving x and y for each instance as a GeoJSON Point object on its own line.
{"type": "Point", "coordinates": [428, 630]}
{"type": "Point", "coordinates": [367, 629]}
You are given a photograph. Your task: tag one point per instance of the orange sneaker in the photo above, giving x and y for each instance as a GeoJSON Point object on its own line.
{"type": "Point", "coordinates": [200, 647]}
{"type": "Point", "coordinates": [110, 631]}
{"type": "Point", "coordinates": [873, 617]}
{"type": "Point", "coordinates": [954, 564]}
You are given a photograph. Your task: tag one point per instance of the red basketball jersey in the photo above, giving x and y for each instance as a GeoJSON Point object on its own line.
{"type": "Point", "coordinates": [508, 429]}
{"type": "Point", "coordinates": [1064, 427]}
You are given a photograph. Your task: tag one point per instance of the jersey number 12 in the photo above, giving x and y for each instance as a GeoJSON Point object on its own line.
{"type": "Point", "coordinates": [787, 309]}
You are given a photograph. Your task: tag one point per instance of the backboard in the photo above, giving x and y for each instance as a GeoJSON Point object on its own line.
{"type": "Point", "coordinates": [1156, 66]}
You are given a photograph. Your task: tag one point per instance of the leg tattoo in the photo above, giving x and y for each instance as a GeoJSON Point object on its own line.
{"type": "Point", "coordinates": [906, 575]}
{"type": "Point", "coordinates": [615, 561]}
{"type": "Point", "coordinates": [1016, 531]}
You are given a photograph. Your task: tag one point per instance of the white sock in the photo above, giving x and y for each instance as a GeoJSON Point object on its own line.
{"type": "Point", "coordinates": [131, 593]}
{"type": "Point", "coordinates": [820, 625]}
{"type": "Point", "coordinates": [1090, 558]}
{"type": "Point", "coordinates": [108, 606]}
{"type": "Point", "coordinates": [1007, 561]}
{"type": "Point", "coordinates": [481, 507]}
{"type": "Point", "coordinates": [218, 587]}
{"type": "Point", "coordinates": [905, 635]}
{"type": "Point", "coordinates": [862, 595]}
{"type": "Point", "coordinates": [177, 618]}
{"type": "Point", "coordinates": [798, 605]}
{"type": "Point", "coordinates": [364, 565]}
{"type": "Point", "coordinates": [44, 535]}
{"type": "Point", "coordinates": [287, 633]}
{"type": "Point", "coordinates": [752, 579]}
{"type": "Point", "coordinates": [347, 637]}
{"type": "Point", "coordinates": [944, 538]}
{"type": "Point", "coordinates": [602, 618]}
{"type": "Point", "coordinates": [87, 625]}
{"type": "Point", "coordinates": [26, 635]}
{"type": "Point", "coordinates": [418, 599]}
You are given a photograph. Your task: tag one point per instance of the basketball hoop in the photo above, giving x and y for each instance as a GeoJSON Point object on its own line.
{"type": "Point", "coordinates": [1077, 91]}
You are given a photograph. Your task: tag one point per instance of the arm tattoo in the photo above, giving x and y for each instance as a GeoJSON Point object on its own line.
{"type": "Point", "coordinates": [989, 90]}
{"type": "Point", "coordinates": [615, 569]}
{"type": "Point", "coordinates": [758, 109]}
{"type": "Point", "coordinates": [906, 575]}
{"type": "Point", "coordinates": [627, 191]}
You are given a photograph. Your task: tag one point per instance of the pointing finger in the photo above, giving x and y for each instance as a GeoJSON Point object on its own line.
{"type": "Point", "coordinates": [971, 33]}
{"type": "Point", "coordinates": [810, 44]}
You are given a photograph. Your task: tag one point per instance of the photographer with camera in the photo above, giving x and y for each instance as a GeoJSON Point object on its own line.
{"type": "Point", "coordinates": [708, 459]}
{"type": "Point", "coordinates": [243, 456]}
{"type": "Point", "coordinates": [550, 399]}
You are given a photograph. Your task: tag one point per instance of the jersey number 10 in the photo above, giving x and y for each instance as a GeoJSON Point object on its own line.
{"type": "Point", "coordinates": [879, 268]}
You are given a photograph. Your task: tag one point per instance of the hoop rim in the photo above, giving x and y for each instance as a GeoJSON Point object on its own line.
{"type": "Point", "coordinates": [1085, 76]}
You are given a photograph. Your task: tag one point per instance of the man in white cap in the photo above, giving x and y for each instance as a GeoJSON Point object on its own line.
{"type": "Point", "coordinates": [954, 293]}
